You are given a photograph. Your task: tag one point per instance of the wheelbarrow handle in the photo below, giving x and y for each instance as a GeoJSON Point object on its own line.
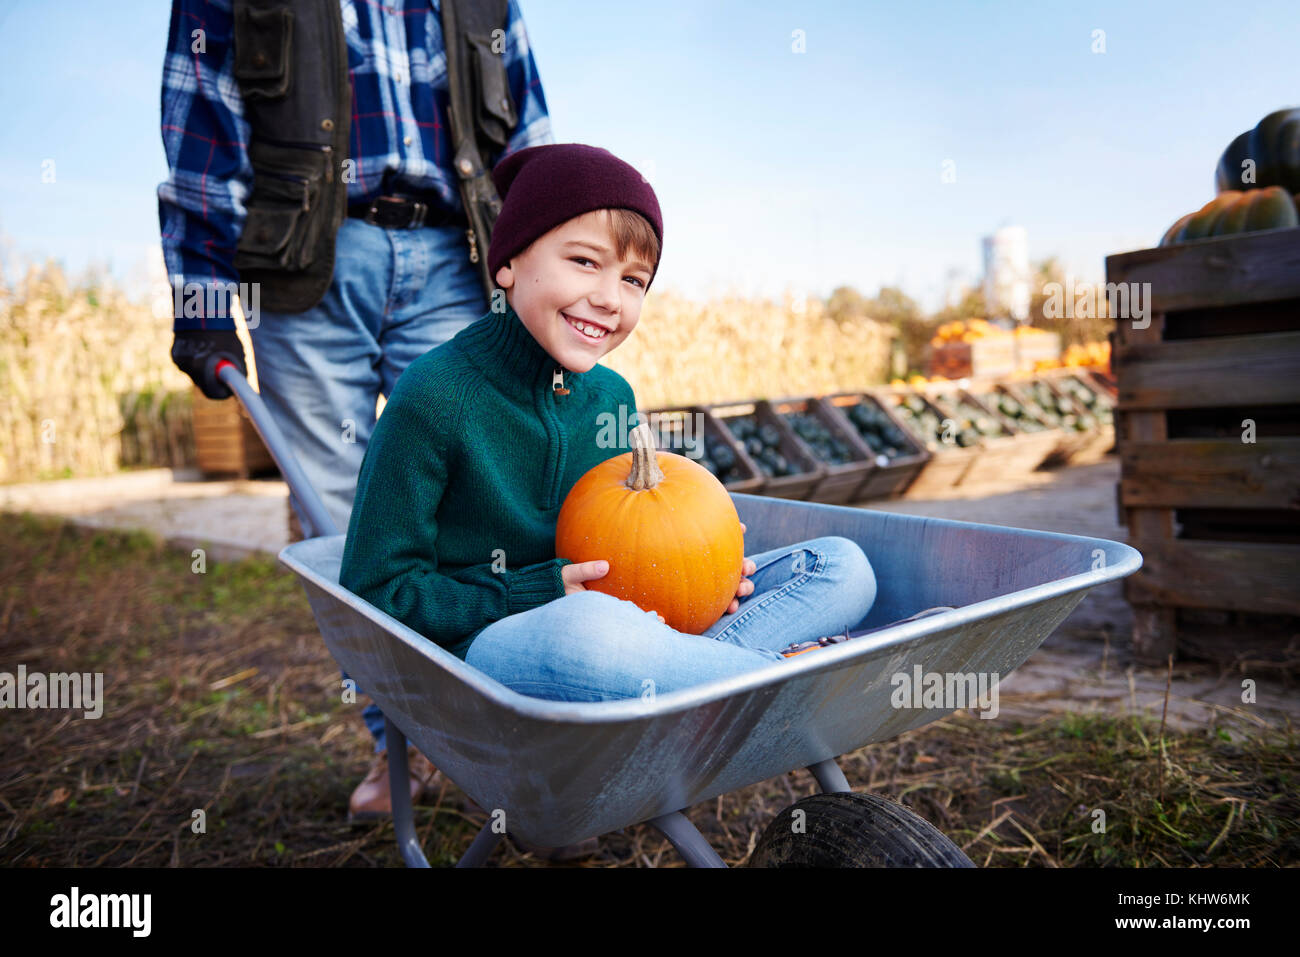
{"type": "Point", "coordinates": [278, 446]}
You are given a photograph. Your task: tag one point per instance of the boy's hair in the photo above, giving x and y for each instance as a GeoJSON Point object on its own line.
{"type": "Point", "coordinates": [631, 231]}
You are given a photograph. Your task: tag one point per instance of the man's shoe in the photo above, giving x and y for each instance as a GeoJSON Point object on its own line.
{"type": "Point", "coordinates": [800, 647]}
{"type": "Point", "coordinates": [373, 800]}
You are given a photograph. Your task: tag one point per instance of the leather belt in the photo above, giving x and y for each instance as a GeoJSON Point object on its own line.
{"type": "Point", "coordinates": [403, 212]}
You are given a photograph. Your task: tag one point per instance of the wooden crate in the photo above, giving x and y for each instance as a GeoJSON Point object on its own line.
{"type": "Point", "coordinates": [840, 483]}
{"type": "Point", "coordinates": [1029, 350]}
{"type": "Point", "coordinates": [891, 476]}
{"type": "Point", "coordinates": [1095, 443]}
{"type": "Point", "coordinates": [1028, 392]}
{"type": "Point", "coordinates": [796, 486]}
{"type": "Point", "coordinates": [1038, 445]}
{"type": "Point", "coordinates": [1007, 455]}
{"type": "Point", "coordinates": [225, 440]}
{"type": "Point", "coordinates": [993, 356]}
{"type": "Point", "coordinates": [948, 463]}
{"type": "Point", "coordinates": [1105, 381]}
{"type": "Point", "coordinates": [989, 357]}
{"type": "Point", "coordinates": [1216, 516]}
{"type": "Point", "coordinates": [677, 428]}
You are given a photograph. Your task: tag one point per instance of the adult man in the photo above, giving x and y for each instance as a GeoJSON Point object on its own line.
{"type": "Point", "coordinates": [402, 281]}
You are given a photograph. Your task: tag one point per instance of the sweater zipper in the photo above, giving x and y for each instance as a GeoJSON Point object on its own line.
{"type": "Point", "coordinates": [551, 497]}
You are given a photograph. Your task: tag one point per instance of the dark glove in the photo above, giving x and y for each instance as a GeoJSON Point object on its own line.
{"type": "Point", "coordinates": [197, 351]}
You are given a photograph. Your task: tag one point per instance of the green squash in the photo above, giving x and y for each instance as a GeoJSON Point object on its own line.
{"type": "Point", "coordinates": [1274, 145]}
{"type": "Point", "coordinates": [1236, 211]}
{"type": "Point", "coordinates": [1199, 226]}
{"type": "Point", "coordinates": [1169, 238]}
{"type": "Point", "coordinates": [1227, 175]}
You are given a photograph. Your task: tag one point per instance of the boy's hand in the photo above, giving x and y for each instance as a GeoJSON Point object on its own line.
{"type": "Point", "coordinates": [574, 574]}
{"type": "Point", "coordinates": [746, 586]}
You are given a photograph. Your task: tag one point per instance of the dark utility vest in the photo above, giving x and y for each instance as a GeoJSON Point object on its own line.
{"type": "Point", "coordinates": [291, 64]}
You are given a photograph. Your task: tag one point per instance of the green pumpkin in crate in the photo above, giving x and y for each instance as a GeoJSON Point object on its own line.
{"type": "Point", "coordinates": [1273, 147]}
{"type": "Point", "coordinates": [1235, 212]}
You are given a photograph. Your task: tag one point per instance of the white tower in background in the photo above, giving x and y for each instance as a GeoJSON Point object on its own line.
{"type": "Point", "coordinates": [1006, 273]}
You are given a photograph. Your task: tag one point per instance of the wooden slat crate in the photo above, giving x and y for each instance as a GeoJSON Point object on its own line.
{"type": "Point", "coordinates": [225, 440]}
{"type": "Point", "coordinates": [1096, 442]}
{"type": "Point", "coordinates": [1004, 455]}
{"type": "Point", "coordinates": [796, 486]}
{"type": "Point", "coordinates": [948, 463]}
{"type": "Point", "coordinates": [1030, 349]}
{"type": "Point", "coordinates": [840, 483]}
{"type": "Point", "coordinates": [1105, 380]}
{"type": "Point", "coordinates": [893, 473]}
{"type": "Point", "coordinates": [994, 356]}
{"type": "Point", "coordinates": [1214, 509]}
{"type": "Point", "coordinates": [989, 357]}
{"type": "Point", "coordinates": [678, 429]}
{"type": "Point", "coordinates": [1032, 446]}
{"type": "Point", "coordinates": [1041, 398]}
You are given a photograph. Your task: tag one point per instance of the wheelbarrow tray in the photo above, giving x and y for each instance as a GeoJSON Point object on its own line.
{"type": "Point", "coordinates": [565, 771]}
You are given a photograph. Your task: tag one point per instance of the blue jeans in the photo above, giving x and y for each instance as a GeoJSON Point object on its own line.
{"type": "Point", "coordinates": [396, 294]}
{"type": "Point", "coordinates": [591, 646]}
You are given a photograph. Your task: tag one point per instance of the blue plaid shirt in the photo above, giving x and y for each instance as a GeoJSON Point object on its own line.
{"type": "Point", "coordinates": [400, 138]}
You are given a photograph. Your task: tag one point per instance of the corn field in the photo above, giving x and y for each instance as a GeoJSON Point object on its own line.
{"type": "Point", "coordinates": [687, 353]}
{"type": "Point", "coordinates": [87, 385]}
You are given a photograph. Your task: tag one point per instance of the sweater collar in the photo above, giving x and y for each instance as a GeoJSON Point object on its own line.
{"type": "Point", "coordinates": [503, 346]}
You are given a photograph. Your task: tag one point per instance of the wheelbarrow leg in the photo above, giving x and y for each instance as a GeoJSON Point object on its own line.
{"type": "Point", "coordinates": [690, 843]}
{"type": "Point", "coordinates": [399, 787]}
{"type": "Point", "coordinates": [829, 776]}
{"type": "Point", "coordinates": [482, 847]}
{"type": "Point", "coordinates": [403, 819]}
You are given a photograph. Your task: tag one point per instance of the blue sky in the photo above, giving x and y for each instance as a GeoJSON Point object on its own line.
{"type": "Point", "coordinates": [774, 169]}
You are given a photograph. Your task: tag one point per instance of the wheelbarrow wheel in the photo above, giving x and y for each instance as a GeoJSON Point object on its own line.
{"type": "Point", "coordinates": [847, 829]}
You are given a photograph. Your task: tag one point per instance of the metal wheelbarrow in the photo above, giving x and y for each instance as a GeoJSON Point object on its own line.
{"type": "Point", "coordinates": [554, 772]}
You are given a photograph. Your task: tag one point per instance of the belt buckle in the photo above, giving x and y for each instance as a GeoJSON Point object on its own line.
{"type": "Point", "coordinates": [371, 213]}
{"type": "Point", "coordinates": [416, 210]}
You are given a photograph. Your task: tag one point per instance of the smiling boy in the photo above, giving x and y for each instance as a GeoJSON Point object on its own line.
{"type": "Point", "coordinates": [458, 496]}
{"type": "Point", "coordinates": [453, 529]}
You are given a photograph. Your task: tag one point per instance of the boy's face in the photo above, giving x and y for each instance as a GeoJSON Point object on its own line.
{"type": "Point", "coordinates": [571, 273]}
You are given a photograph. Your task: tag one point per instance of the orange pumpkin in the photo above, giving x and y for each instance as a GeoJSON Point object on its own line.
{"type": "Point", "coordinates": [667, 527]}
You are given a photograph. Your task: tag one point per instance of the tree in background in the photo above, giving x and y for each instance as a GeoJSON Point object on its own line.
{"type": "Point", "coordinates": [894, 308]}
{"type": "Point", "coordinates": [1089, 319]}
{"type": "Point", "coordinates": [971, 307]}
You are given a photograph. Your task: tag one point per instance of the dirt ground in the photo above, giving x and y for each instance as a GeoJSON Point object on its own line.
{"type": "Point", "coordinates": [223, 742]}
{"type": "Point", "coordinates": [222, 705]}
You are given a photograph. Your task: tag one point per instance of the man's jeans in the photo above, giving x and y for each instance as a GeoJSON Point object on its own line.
{"type": "Point", "coordinates": [396, 294]}
{"type": "Point", "coordinates": [590, 646]}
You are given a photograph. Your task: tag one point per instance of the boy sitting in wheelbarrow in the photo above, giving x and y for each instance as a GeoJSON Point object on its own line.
{"type": "Point", "coordinates": [453, 528]}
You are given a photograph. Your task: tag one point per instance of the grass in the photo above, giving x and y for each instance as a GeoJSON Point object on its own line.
{"type": "Point", "coordinates": [221, 699]}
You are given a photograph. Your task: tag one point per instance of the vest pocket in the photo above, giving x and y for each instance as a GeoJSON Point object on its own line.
{"type": "Point", "coordinates": [262, 39]}
{"type": "Point", "coordinates": [283, 221]}
{"type": "Point", "coordinates": [495, 108]}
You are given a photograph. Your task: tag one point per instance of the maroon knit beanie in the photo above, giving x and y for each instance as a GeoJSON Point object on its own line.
{"type": "Point", "coordinates": [544, 186]}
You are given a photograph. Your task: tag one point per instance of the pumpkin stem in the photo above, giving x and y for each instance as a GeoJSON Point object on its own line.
{"type": "Point", "coordinates": [645, 471]}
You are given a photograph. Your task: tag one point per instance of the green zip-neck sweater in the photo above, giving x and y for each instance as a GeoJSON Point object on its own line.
{"type": "Point", "coordinates": [453, 524]}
